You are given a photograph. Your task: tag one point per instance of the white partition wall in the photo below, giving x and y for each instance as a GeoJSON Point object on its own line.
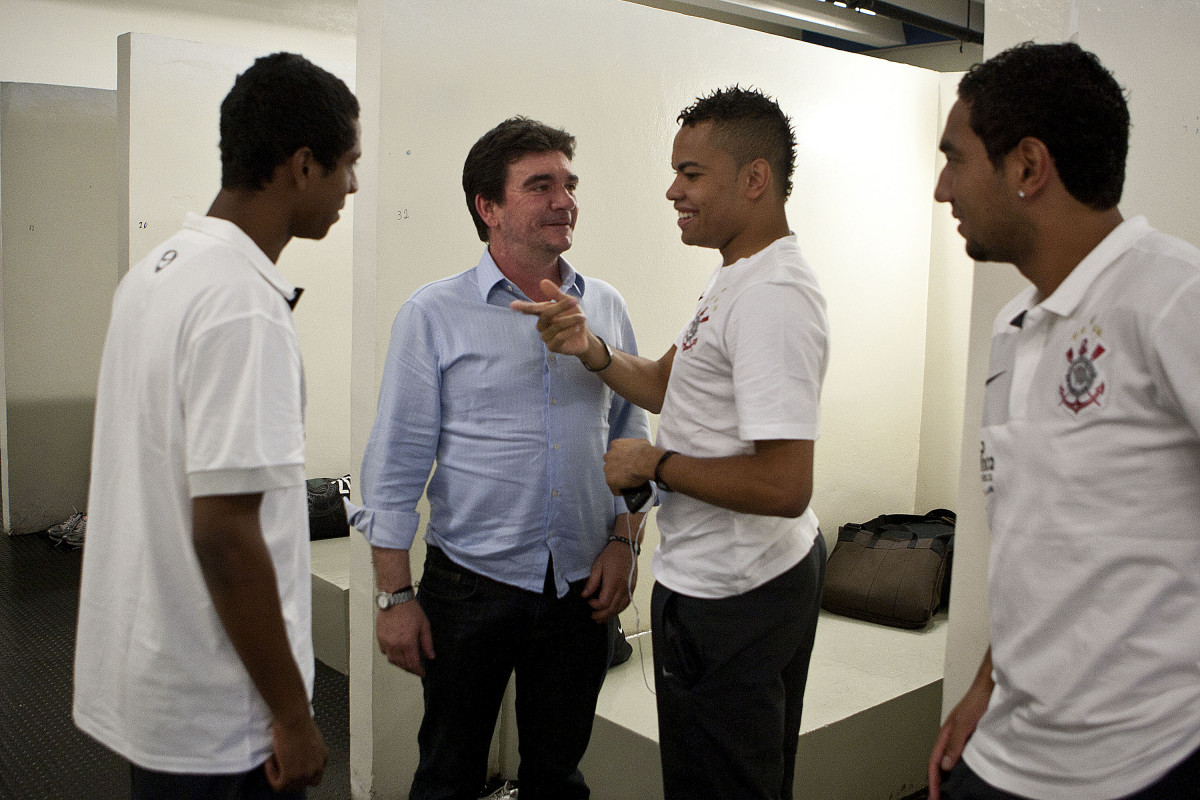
{"type": "Point", "coordinates": [58, 148]}
{"type": "Point", "coordinates": [616, 75]}
{"type": "Point", "coordinates": [170, 92]}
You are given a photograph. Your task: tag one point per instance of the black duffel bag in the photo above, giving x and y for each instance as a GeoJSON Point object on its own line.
{"type": "Point", "coordinates": [894, 570]}
{"type": "Point", "coordinates": [326, 512]}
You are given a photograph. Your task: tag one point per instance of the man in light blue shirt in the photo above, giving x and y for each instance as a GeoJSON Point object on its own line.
{"type": "Point", "coordinates": [529, 554]}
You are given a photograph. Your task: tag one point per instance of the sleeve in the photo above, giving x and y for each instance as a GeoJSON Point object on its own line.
{"type": "Point", "coordinates": [240, 383]}
{"type": "Point", "coordinates": [404, 439]}
{"type": "Point", "coordinates": [777, 337]}
{"type": "Point", "coordinates": [626, 420]}
{"type": "Point", "coordinates": [1176, 351]}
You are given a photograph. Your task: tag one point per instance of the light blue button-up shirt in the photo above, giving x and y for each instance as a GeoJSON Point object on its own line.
{"type": "Point", "coordinates": [518, 433]}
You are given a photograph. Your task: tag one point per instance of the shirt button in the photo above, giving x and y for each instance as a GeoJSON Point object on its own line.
{"type": "Point", "coordinates": [553, 401]}
{"type": "Point", "coordinates": [555, 447]}
{"type": "Point", "coordinates": [554, 493]}
{"type": "Point", "coordinates": [552, 357]}
{"type": "Point", "coordinates": [510, 287]}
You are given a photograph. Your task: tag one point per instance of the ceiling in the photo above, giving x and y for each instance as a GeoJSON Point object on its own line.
{"type": "Point", "coordinates": [895, 24]}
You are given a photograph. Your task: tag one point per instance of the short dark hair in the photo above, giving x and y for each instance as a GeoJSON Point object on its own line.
{"type": "Point", "coordinates": [748, 124]}
{"type": "Point", "coordinates": [486, 169]}
{"type": "Point", "coordinates": [1062, 95]}
{"type": "Point", "coordinates": [281, 103]}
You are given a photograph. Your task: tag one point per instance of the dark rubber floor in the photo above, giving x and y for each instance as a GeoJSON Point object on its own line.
{"type": "Point", "coordinates": [42, 754]}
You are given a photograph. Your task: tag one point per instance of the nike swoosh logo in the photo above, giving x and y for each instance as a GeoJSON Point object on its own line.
{"type": "Point", "coordinates": [997, 375]}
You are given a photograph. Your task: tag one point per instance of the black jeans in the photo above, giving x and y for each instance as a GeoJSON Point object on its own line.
{"type": "Point", "coordinates": [483, 630]}
{"type": "Point", "coordinates": [730, 676]}
{"type": "Point", "coordinates": [1181, 783]}
{"type": "Point", "coordinates": [149, 785]}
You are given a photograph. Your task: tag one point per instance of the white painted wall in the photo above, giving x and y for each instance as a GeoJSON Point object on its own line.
{"type": "Point", "coordinates": [1149, 46]}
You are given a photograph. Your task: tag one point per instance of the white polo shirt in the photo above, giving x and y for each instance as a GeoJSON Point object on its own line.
{"type": "Point", "coordinates": [201, 393]}
{"type": "Point", "coordinates": [1091, 467]}
{"type": "Point", "coordinates": [748, 367]}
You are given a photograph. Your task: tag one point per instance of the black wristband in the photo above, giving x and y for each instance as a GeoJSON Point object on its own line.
{"type": "Point", "coordinates": [634, 546]}
{"type": "Point", "coordinates": [607, 352]}
{"type": "Point", "coordinates": [658, 479]}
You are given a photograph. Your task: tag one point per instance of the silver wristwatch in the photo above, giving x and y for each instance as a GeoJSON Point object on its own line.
{"type": "Point", "coordinates": [386, 600]}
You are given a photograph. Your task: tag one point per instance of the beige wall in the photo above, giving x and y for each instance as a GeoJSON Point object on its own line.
{"type": "Point", "coordinates": [59, 272]}
{"type": "Point", "coordinates": [175, 167]}
{"type": "Point", "coordinates": [72, 42]}
{"type": "Point", "coordinates": [1149, 46]}
{"type": "Point", "coordinates": [947, 323]}
{"type": "Point", "coordinates": [171, 90]}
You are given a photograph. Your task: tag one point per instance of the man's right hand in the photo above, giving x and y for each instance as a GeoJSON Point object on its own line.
{"type": "Point", "coordinates": [561, 323]}
{"type": "Point", "coordinates": [299, 757]}
{"type": "Point", "coordinates": [959, 726]}
{"type": "Point", "coordinates": [405, 636]}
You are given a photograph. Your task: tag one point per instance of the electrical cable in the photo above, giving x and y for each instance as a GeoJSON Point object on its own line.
{"type": "Point", "coordinates": [637, 615]}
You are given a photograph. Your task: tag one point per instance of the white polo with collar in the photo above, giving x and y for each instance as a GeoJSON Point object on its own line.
{"type": "Point", "coordinates": [201, 393]}
{"type": "Point", "coordinates": [1090, 461]}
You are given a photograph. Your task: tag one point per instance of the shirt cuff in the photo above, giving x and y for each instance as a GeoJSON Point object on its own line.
{"type": "Point", "coordinates": [394, 530]}
{"type": "Point", "coordinates": [620, 507]}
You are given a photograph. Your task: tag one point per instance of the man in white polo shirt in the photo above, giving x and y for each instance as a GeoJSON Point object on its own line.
{"type": "Point", "coordinates": [1090, 456]}
{"type": "Point", "coordinates": [194, 653]}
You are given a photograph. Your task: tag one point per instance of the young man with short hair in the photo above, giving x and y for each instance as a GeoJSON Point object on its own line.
{"type": "Point", "coordinates": [1090, 457]}
{"type": "Point", "coordinates": [194, 654]}
{"type": "Point", "coordinates": [741, 563]}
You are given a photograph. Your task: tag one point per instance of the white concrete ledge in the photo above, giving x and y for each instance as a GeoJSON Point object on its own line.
{"type": "Point", "coordinates": [872, 711]}
{"type": "Point", "coordinates": [331, 602]}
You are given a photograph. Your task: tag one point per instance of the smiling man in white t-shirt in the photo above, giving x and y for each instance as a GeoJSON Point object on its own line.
{"type": "Point", "coordinates": [741, 563]}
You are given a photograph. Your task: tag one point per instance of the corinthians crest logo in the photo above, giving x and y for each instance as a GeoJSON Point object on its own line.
{"type": "Point", "coordinates": [693, 330]}
{"type": "Point", "coordinates": [1084, 383]}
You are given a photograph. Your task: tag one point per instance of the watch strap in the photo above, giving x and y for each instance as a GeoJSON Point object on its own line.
{"type": "Point", "coordinates": [658, 479]}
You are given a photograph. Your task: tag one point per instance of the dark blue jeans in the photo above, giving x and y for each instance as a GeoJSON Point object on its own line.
{"type": "Point", "coordinates": [1181, 783]}
{"type": "Point", "coordinates": [730, 676]}
{"type": "Point", "coordinates": [483, 631]}
{"type": "Point", "coordinates": [147, 784]}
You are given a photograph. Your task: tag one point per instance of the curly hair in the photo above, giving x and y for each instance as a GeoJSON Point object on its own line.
{"type": "Point", "coordinates": [748, 124]}
{"type": "Point", "coordinates": [282, 103]}
{"type": "Point", "coordinates": [485, 171]}
{"type": "Point", "coordinates": [1062, 95]}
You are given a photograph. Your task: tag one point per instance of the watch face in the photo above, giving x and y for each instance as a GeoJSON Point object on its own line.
{"type": "Point", "coordinates": [383, 600]}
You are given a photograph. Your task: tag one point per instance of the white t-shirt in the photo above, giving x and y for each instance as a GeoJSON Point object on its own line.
{"type": "Point", "coordinates": [1091, 468]}
{"type": "Point", "coordinates": [748, 367]}
{"type": "Point", "coordinates": [201, 393]}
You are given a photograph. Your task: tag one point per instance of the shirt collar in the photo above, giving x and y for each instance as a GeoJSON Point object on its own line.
{"type": "Point", "coordinates": [234, 236]}
{"type": "Point", "coordinates": [1071, 291]}
{"type": "Point", "coordinates": [488, 276]}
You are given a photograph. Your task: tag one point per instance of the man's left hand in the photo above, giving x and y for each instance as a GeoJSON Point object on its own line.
{"type": "Point", "coordinates": [608, 587]}
{"type": "Point", "coordinates": [630, 462]}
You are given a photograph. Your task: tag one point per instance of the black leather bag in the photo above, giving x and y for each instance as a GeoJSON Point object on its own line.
{"type": "Point", "coordinates": [894, 570]}
{"type": "Point", "coordinates": [326, 512]}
